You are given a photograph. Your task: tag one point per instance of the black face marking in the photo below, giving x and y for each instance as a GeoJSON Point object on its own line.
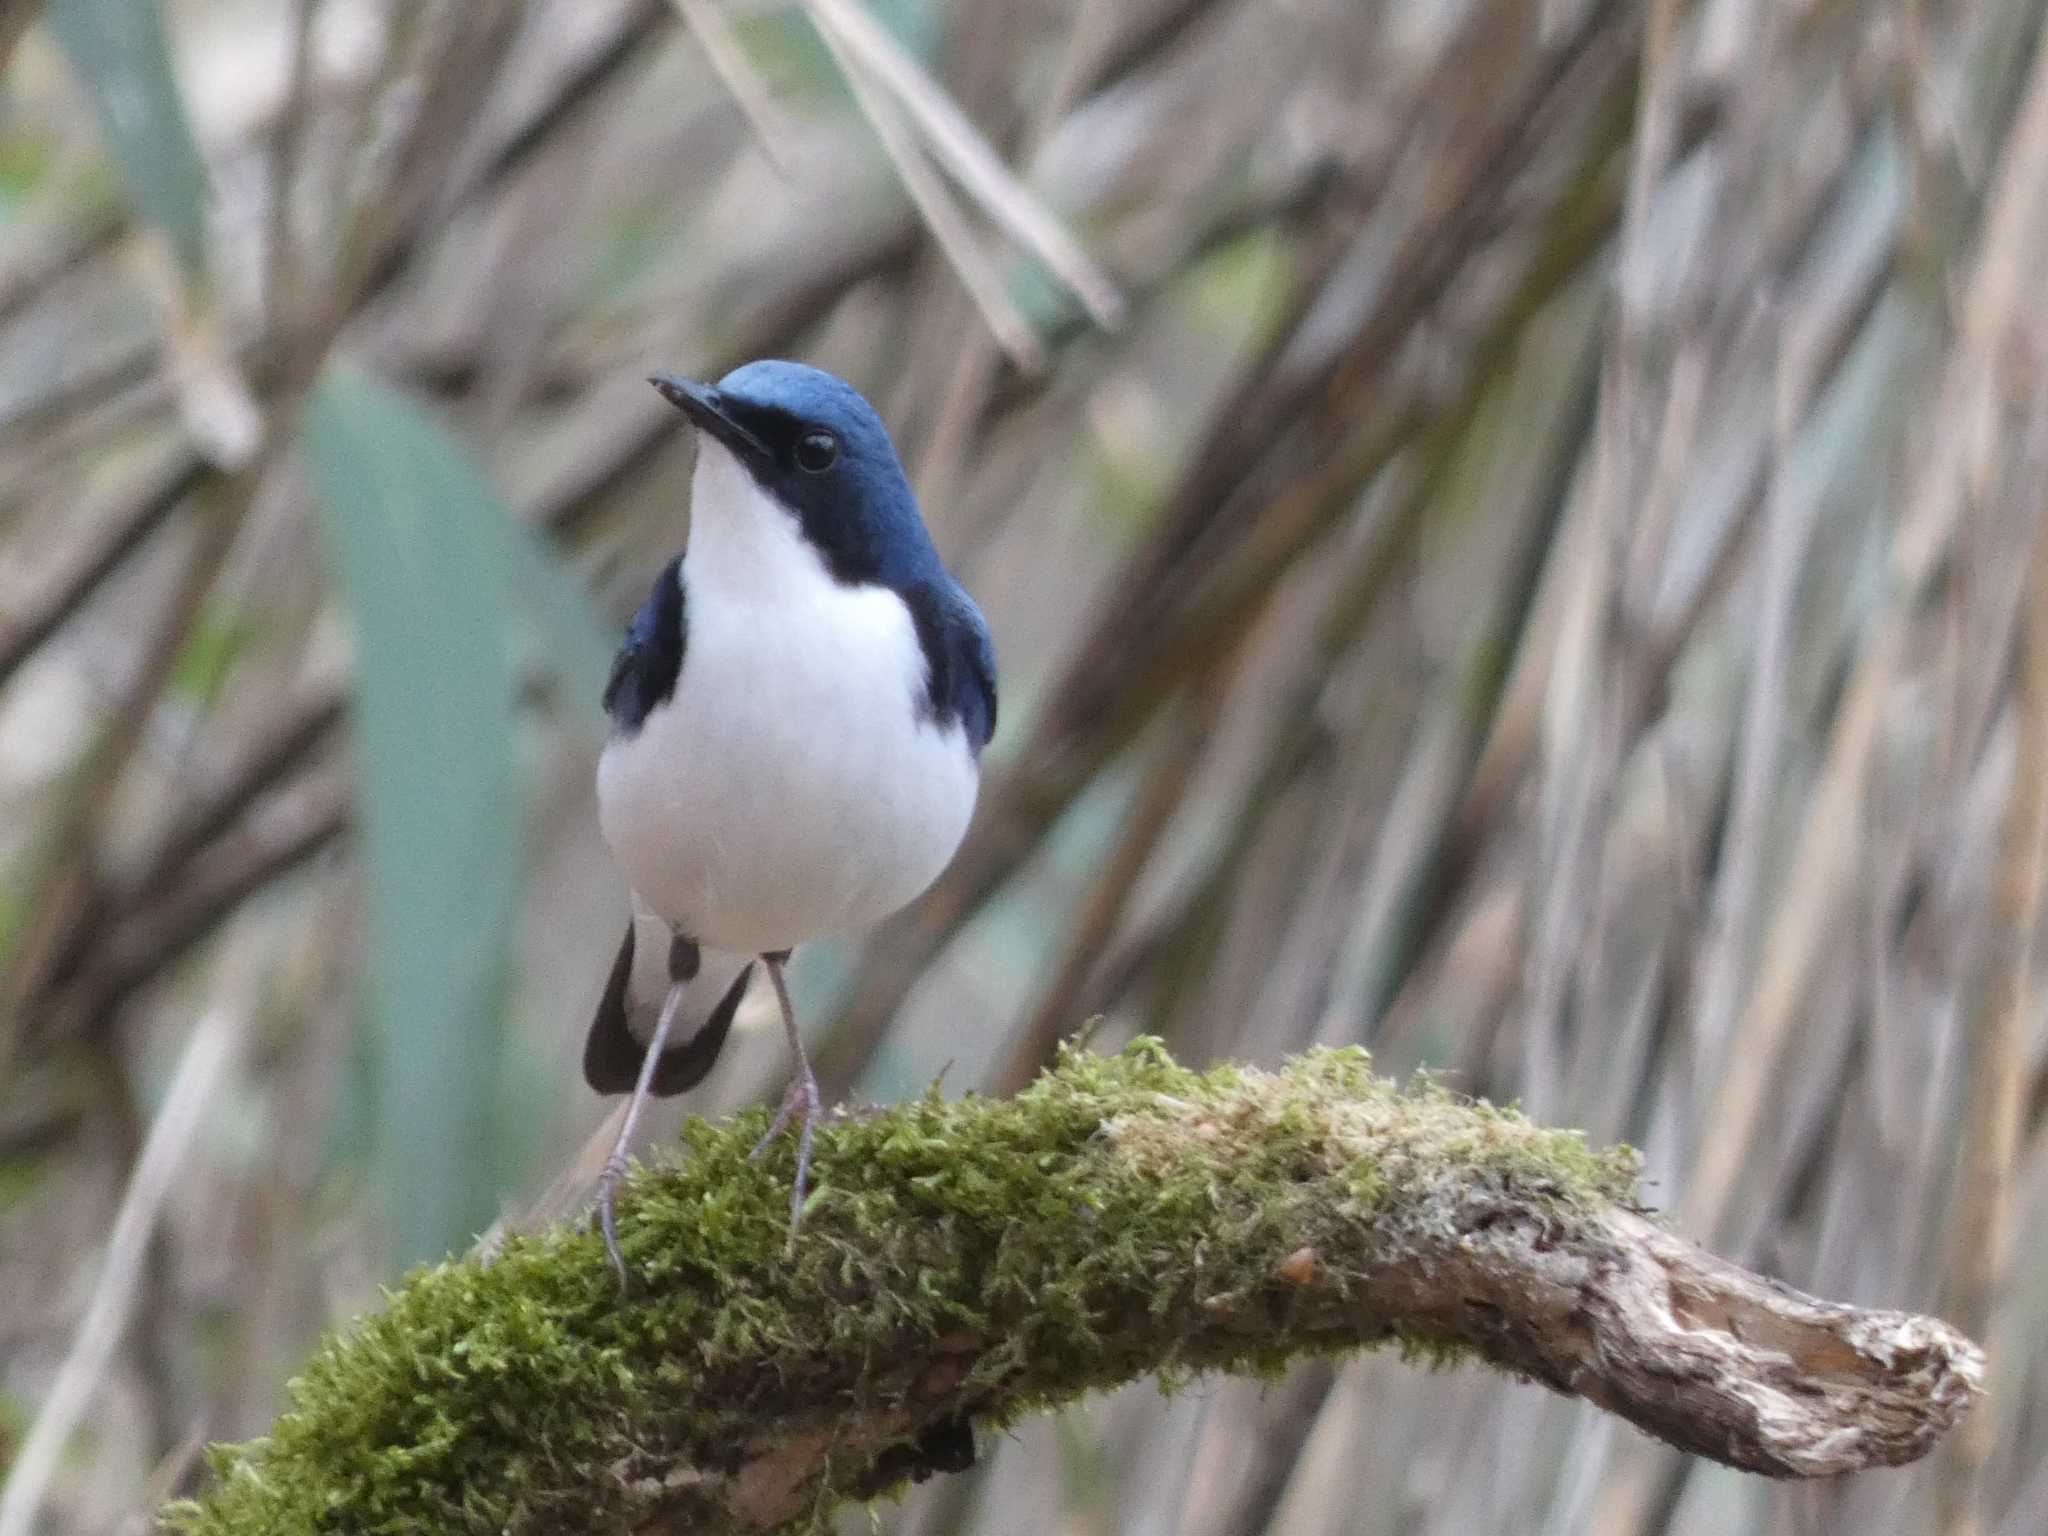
{"type": "Point", "coordinates": [684, 958]}
{"type": "Point", "coordinates": [644, 670]}
{"type": "Point", "coordinates": [843, 485]}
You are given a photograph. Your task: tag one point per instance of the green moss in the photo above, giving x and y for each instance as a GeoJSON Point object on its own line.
{"type": "Point", "coordinates": [1124, 1216]}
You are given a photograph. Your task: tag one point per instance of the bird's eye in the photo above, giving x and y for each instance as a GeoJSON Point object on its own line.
{"type": "Point", "coordinates": [816, 452]}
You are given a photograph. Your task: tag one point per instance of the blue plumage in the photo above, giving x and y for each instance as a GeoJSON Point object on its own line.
{"type": "Point", "coordinates": [645, 669]}
{"type": "Point", "coordinates": [960, 655]}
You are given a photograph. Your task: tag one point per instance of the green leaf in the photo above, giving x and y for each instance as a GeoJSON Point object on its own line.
{"type": "Point", "coordinates": [551, 619]}
{"type": "Point", "coordinates": [439, 579]}
{"type": "Point", "coordinates": [122, 56]}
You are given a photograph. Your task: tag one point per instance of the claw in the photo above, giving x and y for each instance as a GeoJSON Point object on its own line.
{"type": "Point", "coordinates": [608, 1214]}
{"type": "Point", "coordinates": [776, 1126]}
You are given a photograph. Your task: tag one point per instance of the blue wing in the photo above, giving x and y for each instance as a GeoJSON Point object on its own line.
{"type": "Point", "coordinates": [960, 658]}
{"type": "Point", "coordinates": [644, 671]}
{"type": "Point", "coordinates": [974, 689]}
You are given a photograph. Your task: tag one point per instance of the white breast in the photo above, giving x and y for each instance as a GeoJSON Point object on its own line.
{"type": "Point", "coordinates": [791, 788]}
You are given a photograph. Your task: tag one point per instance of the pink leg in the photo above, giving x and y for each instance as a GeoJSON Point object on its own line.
{"type": "Point", "coordinates": [801, 1103]}
{"type": "Point", "coordinates": [615, 1165]}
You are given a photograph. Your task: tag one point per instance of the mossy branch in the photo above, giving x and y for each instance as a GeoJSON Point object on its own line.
{"type": "Point", "coordinates": [968, 1263]}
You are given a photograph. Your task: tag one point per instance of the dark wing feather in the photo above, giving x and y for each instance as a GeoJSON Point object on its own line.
{"type": "Point", "coordinates": [684, 1066]}
{"type": "Point", "coordinates": [644, 670]}
{"type": "Point", "coordinates": [979, 656]}
{"type": "Point", "coordinates": [960, 659]}
{"type": "Point", "coordinates": [611, 1056]}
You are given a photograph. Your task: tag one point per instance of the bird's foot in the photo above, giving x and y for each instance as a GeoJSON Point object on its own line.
{"type": "Point", "coordinates": [803, 1105]}
{"type": "Point", "coordinates": [615, 1165]}
{"type": "Point", "coordinates": [607, 1211]}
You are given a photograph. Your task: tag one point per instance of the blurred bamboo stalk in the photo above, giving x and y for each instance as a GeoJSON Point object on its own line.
{"type": "Point", "coordinates": [960, 147]}
{"type": "Point", "coordinates": [1588, 681]}
{"type": "Point", "coordinates": [1981, 1244]}
{"type": "Point", "coordinates": [966, 394]}
{"type": "Point", "coordinates": [1820, 880]}
{"type": "Point", "coordinates": [1823, 867]}
{"type": "Point", "coordinates": [739, 76]}
{"type": "Point", "coordinates": [194, 1091]}
{"type": "Point", "coordinates": [942, 215]}
{"type": "Point", "coordinates": [1200, 580]}
{"type": "Point", "coordinates": [1161, 791]}
{"type": "Point", "coordinates": [66, 897]}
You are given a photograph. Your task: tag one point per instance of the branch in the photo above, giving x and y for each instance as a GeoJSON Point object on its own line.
{"type": "Point", "coordinates": [980, 1260]}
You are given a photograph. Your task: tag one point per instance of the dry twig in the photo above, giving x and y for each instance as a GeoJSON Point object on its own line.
{"type": "Point", "coordinates": [207, 1057]}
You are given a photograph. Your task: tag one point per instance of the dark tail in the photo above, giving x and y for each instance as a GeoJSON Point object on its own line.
{"type": "Point", "coordinates": [612, 1052]}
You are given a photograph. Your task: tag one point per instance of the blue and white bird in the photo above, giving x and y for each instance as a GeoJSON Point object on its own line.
{"type": "Point", "coordinates": [798, 713]}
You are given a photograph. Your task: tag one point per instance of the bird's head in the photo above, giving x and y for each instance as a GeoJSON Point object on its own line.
{"type": "Point", "coordinates": [815, 446]}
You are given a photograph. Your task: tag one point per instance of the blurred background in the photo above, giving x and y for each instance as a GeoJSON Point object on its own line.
{"type": "Point", "coordinates": [1509, 527]}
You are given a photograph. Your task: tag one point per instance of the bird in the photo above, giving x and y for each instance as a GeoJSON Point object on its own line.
{"type": "Point", "coordinates": [797, 718]}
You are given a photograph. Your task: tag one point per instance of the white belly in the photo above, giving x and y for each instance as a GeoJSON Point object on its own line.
{"type": "Point", "coordinates": [789, 790]}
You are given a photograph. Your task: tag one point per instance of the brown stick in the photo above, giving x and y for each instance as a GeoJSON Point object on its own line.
{"type": "Point", "coordinates": [974, 1260]}
{"type": "Point", "coordinates": [1699, 1352]}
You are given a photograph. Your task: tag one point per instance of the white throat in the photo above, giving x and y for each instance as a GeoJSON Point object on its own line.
{"type": "Point", "coordinates": [742, 539]}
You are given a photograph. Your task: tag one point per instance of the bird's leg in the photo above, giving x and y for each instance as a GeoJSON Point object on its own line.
{"type": "Point", "coordinates": [800, 1103]}
{"type": "Point", "coordinates": [615, 1165]}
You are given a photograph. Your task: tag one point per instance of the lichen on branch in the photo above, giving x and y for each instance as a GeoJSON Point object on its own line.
{"type": "Point", "coordinates": [966, 1263]}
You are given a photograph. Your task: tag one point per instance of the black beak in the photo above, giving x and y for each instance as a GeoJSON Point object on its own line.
{"type": "Point", "coordinates": [706, 407]}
